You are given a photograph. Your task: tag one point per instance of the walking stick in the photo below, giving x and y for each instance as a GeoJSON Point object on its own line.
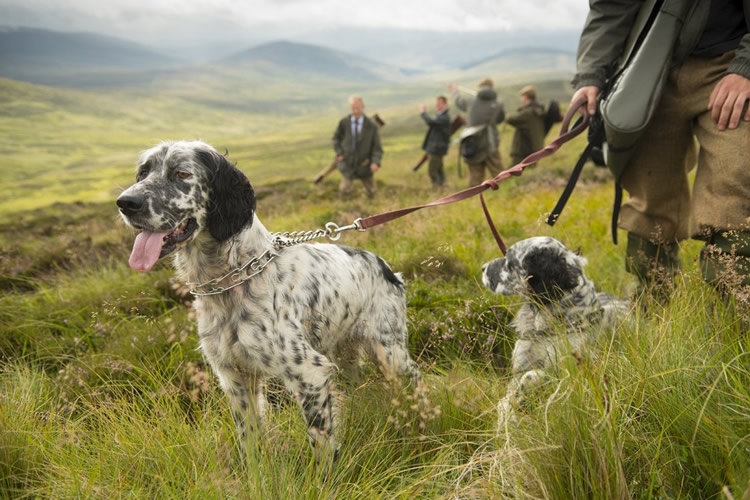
{"type": "Point", "coordinates": [420, 162]}
{"type": "Point", "coordinates": [466, 90]}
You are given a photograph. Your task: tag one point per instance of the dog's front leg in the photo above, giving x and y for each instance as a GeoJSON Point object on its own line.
{"type": "Point", "coordinates": [519, 388]}
{"type": "Point", "coordinates": [309, 377]}
{"type": "Point", "coordinates": [506, 407]}
{"type": "Point", "coordinates": [245, 394]}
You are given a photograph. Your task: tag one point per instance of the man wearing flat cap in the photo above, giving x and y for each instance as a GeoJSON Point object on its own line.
{"type": "Point", "coordinates": [529, 123]}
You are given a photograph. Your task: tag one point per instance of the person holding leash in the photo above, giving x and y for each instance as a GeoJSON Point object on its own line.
{"type": "Point", "coordinates": [705, 97]}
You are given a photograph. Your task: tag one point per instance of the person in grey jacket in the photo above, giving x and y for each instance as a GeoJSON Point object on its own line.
{"type": "Point", "coordinates": [437, 139]}
{"type": "Point", "coordinates": [705, 97]}
{"type": "Point", "coordinates": [358, 151]}
{"type": "Point", "coordinates": [484, 110]}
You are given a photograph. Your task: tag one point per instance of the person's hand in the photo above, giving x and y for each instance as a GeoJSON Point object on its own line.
{"type": "Point", "coordinates": [421, 108]}
{"type": "Point", "coordinates": [374, 167]}
{"type": "Point", "coordinates": [589, 93]}
{"type": "Point", "coordinates": [340, 158]}
{"type": "Point", "coordinates": [727, 99]}
{"type": "Point", "coordinates": [452, 86]}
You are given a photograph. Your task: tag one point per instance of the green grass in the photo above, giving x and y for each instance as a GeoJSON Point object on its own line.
{"type": "Point", "coordinates": [103, 393]}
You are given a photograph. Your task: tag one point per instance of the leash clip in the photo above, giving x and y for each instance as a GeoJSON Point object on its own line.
{"type": "Point", "coordinates": [333, 230]}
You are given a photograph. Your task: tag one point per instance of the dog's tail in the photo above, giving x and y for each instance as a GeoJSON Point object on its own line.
{"type": "Point", "coordinates": [393, 278]}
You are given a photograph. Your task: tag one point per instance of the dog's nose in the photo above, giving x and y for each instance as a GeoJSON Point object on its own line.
{"type": "Point", "coordinates": [131, 203]}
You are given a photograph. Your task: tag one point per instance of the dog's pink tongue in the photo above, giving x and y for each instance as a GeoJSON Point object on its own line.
{"type": "Point", "coordinates": [146, 250]}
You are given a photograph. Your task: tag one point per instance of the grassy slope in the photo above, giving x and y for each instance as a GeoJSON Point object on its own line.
{"type": "Point", "coordinates": [103, 394]}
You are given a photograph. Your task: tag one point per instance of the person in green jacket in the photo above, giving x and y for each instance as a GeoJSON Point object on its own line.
{"type": "Point", "coordinates": [706, 98]}
{"type": "Point", "coordinates": [358, 151]}
{"type": "Point", "coordinates": [528, 121]}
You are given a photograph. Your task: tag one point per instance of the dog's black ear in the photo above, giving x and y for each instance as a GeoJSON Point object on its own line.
{"type": "Point", "coordinates": [549, 276]}
{"type": "Point", "coordinates": [232, 200]}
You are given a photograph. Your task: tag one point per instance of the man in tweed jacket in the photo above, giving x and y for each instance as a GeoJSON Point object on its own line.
{"type": "Point", "coordinates": [358, 151]}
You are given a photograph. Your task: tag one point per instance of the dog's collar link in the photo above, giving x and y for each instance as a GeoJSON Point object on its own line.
{"type": "Point", "coordinates": [235, 277]}
{"type": "Point", "coordinates": [332, 231]}
{"type": "Point", "coordinates": [255, 266]}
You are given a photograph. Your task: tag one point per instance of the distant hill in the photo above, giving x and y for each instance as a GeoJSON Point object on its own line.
{"type": "Point", "coordinates": [428, 51]}
{"type": "Point", "coordinates": [525, 59]}
{"type": "Point", "coordinates": [57, 58]}
{"type": "Point", "coordinates": [83, 60]}
{"type": "Point", "coordinates": [298, 59]}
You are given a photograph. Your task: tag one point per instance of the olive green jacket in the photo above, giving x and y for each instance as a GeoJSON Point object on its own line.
{"type": "Point", "coordinates": [356, 164]}
{"type": "Point", "coordinates": [607, 28]}
{"type": "Point", "coordinates": [529, 134]}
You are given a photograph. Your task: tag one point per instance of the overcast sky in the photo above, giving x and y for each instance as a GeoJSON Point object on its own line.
{"type": "Point", "coordinates": [290, 16]}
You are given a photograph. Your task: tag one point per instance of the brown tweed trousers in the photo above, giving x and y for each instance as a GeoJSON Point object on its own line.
{"type": "Point", "coordinates": [661, 206]}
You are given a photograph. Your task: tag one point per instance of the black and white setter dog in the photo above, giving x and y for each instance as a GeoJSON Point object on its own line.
{"type": "Point", "coordinates": [562, 312]}
{"type": "Point", "coordinates": [295, 313]}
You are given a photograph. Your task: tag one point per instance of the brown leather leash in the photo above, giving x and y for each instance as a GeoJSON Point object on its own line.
{"type": "Point", "coordinates": [516, 170]}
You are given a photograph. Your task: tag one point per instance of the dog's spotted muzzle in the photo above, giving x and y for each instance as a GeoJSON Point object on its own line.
{"type": "Point", "coordinates": [151, 245]}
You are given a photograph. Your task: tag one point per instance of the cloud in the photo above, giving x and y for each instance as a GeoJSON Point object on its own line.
{"type": "Point", "coordinates": [295, 15]}
{"type": "Point", "coordinates": [439, 15]}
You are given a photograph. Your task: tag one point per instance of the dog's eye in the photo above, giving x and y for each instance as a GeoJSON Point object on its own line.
{"type": "Point", "coordinates": [181, 174]}
{"type": "Point", "coordinates": [142, 173]}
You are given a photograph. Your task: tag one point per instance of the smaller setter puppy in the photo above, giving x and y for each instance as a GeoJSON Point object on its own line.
{"type": "Point", "coordinates": [558, 297]}
{"type": "Point", "coordinates": [292, 312]}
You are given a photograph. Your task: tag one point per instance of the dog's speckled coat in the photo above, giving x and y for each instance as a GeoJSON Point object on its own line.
{"type": "Point", "coordinates": [558, 297]}
{"type": "Point", "coordinates": [314, 305]}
